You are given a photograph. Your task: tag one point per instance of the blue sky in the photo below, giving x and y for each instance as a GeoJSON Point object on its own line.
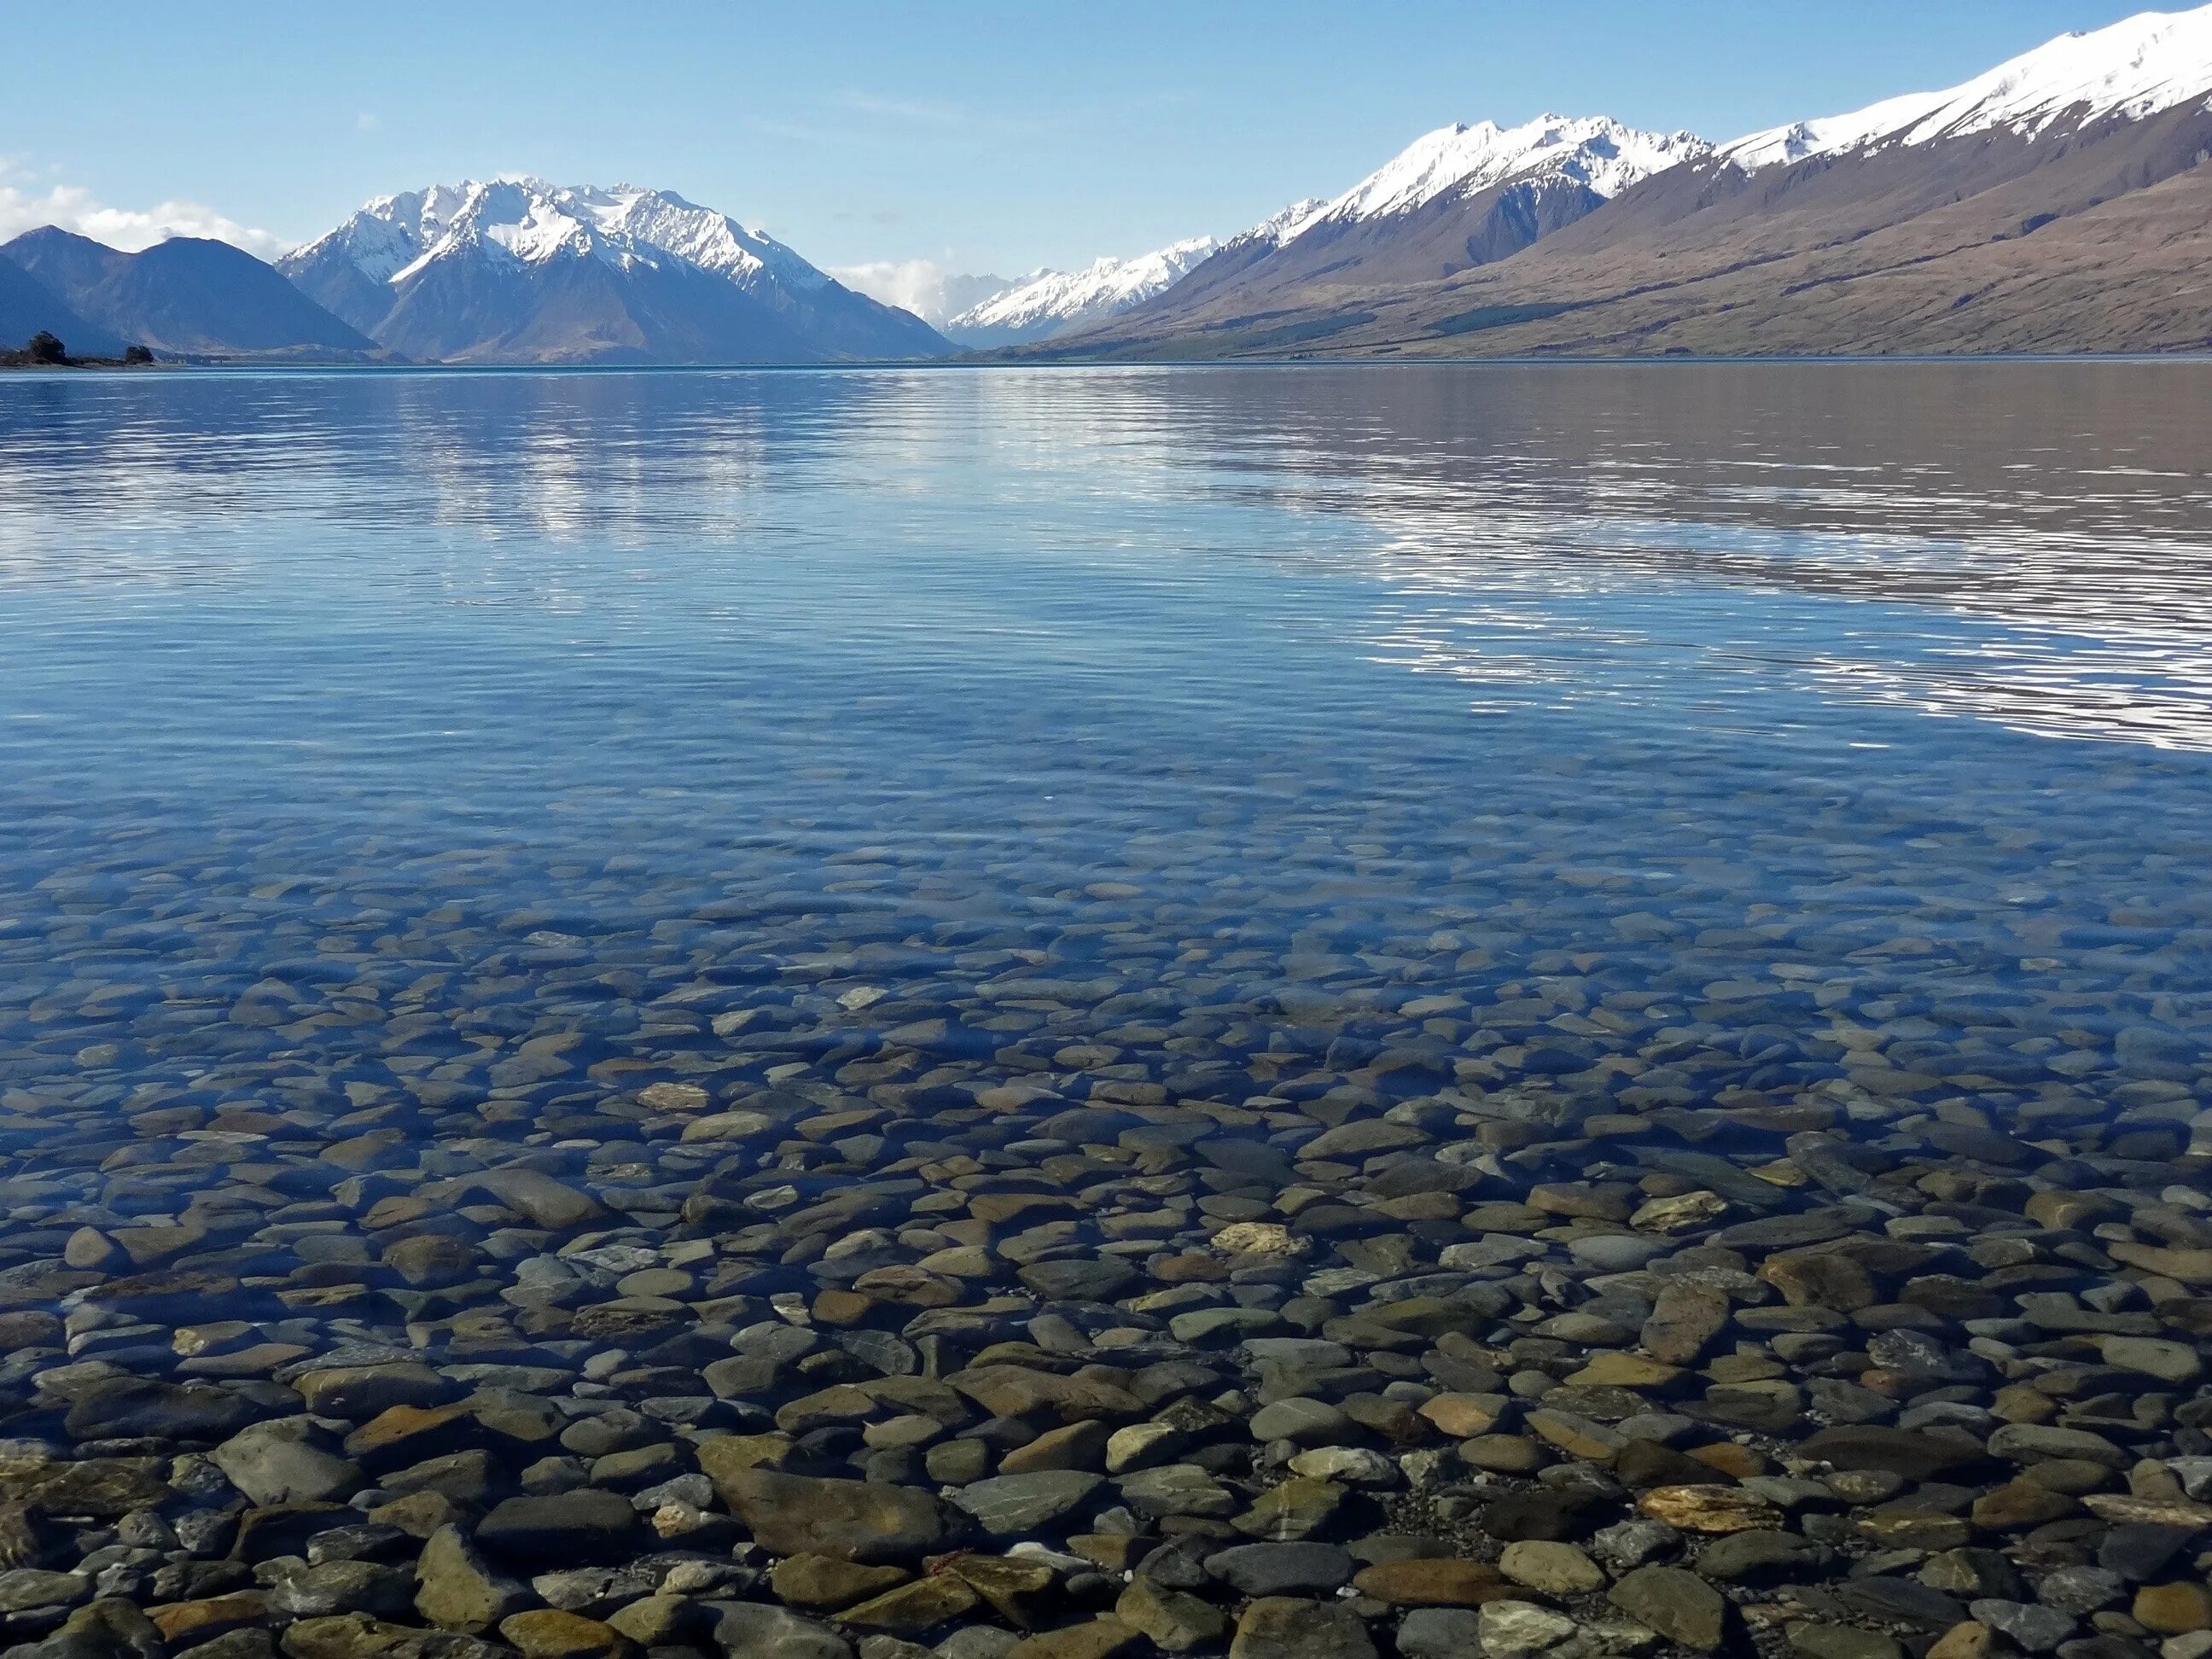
{"type": "Point", "coordinates": [981, 136]}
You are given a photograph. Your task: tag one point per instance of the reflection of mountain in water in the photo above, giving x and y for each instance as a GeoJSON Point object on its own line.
{"type": "Point", "coordinates": [1540, 531]}
{"type": "Point", "coordinates": [2064, 509]}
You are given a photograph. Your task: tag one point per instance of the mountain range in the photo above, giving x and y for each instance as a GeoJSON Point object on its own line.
{"type": "Point", "coordinates": [2057, 203]}
{"type": "Point", "coordinates": [517, 270]}
{"type": "Point", "coordinates": [2060, 201]}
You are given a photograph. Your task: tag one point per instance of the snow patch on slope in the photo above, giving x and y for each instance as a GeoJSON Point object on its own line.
{"type": "Point", "coordinates": [2137, 67]}
{"type": "Point", "coordinates": [1284, 227]}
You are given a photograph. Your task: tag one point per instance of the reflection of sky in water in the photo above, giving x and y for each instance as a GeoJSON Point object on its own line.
{"type": "Point", "coordinates": [1429, 676]}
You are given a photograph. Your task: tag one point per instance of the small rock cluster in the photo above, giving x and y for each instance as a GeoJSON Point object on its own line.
{"type": "Point", "coordinates": [999, 1369]}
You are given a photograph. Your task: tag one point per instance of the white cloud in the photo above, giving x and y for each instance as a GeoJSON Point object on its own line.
{"type": "Point", "coordinates": [73, 208]}
{"type": "Point", "coordinates": [922, 286]}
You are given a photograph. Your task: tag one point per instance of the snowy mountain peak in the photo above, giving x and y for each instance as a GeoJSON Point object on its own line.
{"type": "Point", "coordinates": [513, 269]}
{"type": "Point", "coordinates": [1048, 302]}
{"type": "Point", "coordinates": [2137, 67]}
{"type": "Point", "coordinates": [1595, 151]}
{"type": "Point", "coordinates": [525, 219]}
{"type": "Point", "coordinates": [1281, 228]}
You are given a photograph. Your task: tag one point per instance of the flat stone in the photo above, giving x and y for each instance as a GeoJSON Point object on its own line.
{"type": "Point", "coordinates": [2037, 1442]}
{"type": "Point", "coordinates": [2172, 1610]}
{"type": "Point", "coordinates": [584, 1525]}
{"type": "Point", "coordinates": [2029, 1626]}
{"type": "Point", "coordinates": [747, 1630]}
{"type": "Point", "coordinates": [1816, 1641]}
{"type": "Point", "coordinates": [132, 1408]}
{"type": "Point", "coordinates": [552, 1633]}
{"type": "Point", "coordinates": [26, 1588]}
{"type": "Point", "coordinates": [1915, 1453]}
{"type": "Point", "coordinates": [850, 1520]}
{"type": "Point", "coordinates": [921, 1604]}
{"type": "Point", "coordinates": [1172, 1619]}
{"type": "Point", "coordinates": [456, 1590]}
{"type": "Point", "coordinates": [1708, 1508]}
{"type": "Point", "coordinates": [1434, 1582]}
{"type": "Point", "coordinates": [1555, 1568]}
{"type": "Point", "coordinates": [1678, 1604]}
{"type": "Point", "coordinates": [1762, 1558]}
{"type": "Point", "coordinates": [1287, 1627]}
{"type": "Point", "coordinates": [1262, 1570]}
{"type": "Point", "coordinates": [1515, 1629]}
{"type": "Point", "coordinates": [2169, 1362]}
{"type": "Point", "coordinates": [1441, 1633]}
{"type": "Point", "coordinates": [1014, 1505]}
{"type": "Point", "coordinates": [1096, 1639]}
{"type": "Point", "coordinates": [285, 1461]}
{"type": "Point", "coordinates": [824, 1583]}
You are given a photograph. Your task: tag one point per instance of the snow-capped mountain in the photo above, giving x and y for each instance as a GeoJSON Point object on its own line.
{"type": "Point", "coordinates": [2137, 67]}
{"type": "Point", "coordinates": [514, 270]}
{"type": "Point", "coordinates": [1045, 303]}
{"type": "Point", "coordinates": [1461, 195]}
{"type": "Point", "coordinates": [2057, 203]}
{"type": "Point", "coordinates": [1272, 232]}
{"type": "Point", "coordinates": [1596, 153]}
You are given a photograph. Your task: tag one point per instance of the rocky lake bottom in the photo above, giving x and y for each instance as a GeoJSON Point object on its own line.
{"type": "Point", "coordinates": [1324, 1014]}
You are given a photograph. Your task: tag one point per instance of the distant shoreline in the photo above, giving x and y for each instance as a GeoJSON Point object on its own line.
{"type": "Point", "coordinates": [16, 360]}
{"type": "Point", "coordinates": [21, 361]}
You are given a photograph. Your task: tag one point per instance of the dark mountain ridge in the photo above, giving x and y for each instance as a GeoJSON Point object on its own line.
{"type": "Point", "coordinates": [188, 296]}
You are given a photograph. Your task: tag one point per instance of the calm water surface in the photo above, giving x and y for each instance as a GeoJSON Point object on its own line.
{"type": "Point", "coordinates": [385, 746]}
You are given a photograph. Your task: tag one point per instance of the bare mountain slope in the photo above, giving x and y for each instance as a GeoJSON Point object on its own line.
{"type": "Point", "coordinates": [2056, 203]}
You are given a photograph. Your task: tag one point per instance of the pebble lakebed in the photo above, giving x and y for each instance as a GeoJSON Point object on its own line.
{"type": "Point", "coordinates": [685, 1293]}
{"type": "Point", "coordinates": [1693, 1189]}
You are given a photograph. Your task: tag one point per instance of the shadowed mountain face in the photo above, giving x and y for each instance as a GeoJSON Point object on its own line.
{"type": "Point", "coordinates": [187, 296]}
{"type": "Point", "coordinates": [583, 310]}
{"type": "Point", "coordinates": [28, 306]}
{"type": "Point", "coordinates": [515, 270]}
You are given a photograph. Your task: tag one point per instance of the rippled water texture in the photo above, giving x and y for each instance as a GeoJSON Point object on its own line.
{"type": "Point", "coordinates": [424, 751]}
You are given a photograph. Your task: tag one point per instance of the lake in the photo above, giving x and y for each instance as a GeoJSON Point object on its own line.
{"type": "Point", "coordinates": [566, 876]}
{"type": "Point", "coordinates": [1839, 722]}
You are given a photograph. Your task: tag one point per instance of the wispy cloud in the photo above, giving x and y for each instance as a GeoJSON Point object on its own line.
{"type": "Point", "coordinates": [26, 205]}
{"type": "Point", "coordinates": [791, 132]}
{"type": "Point", "coordinates": [366, 121]}
{"type": "Point", "coordinates": [903, 109]}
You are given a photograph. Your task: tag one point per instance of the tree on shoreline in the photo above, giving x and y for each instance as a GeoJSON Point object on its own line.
{"type": "Point", "coordinates": [44, 349]}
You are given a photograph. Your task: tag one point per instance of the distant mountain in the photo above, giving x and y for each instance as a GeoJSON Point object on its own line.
{"type": "Point", "coordinates": [517, 270]}
{"type": "Point", "coordinates": [188, 296]}
{"type": "Point", "coordinates": [28, 306]}
{"type": "Point", "coordinates": [2061, 202]}
{"type": "Point", "coordinates": [1048, 302]}
{"type": "Point", "coordinates": [1458, 197]}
